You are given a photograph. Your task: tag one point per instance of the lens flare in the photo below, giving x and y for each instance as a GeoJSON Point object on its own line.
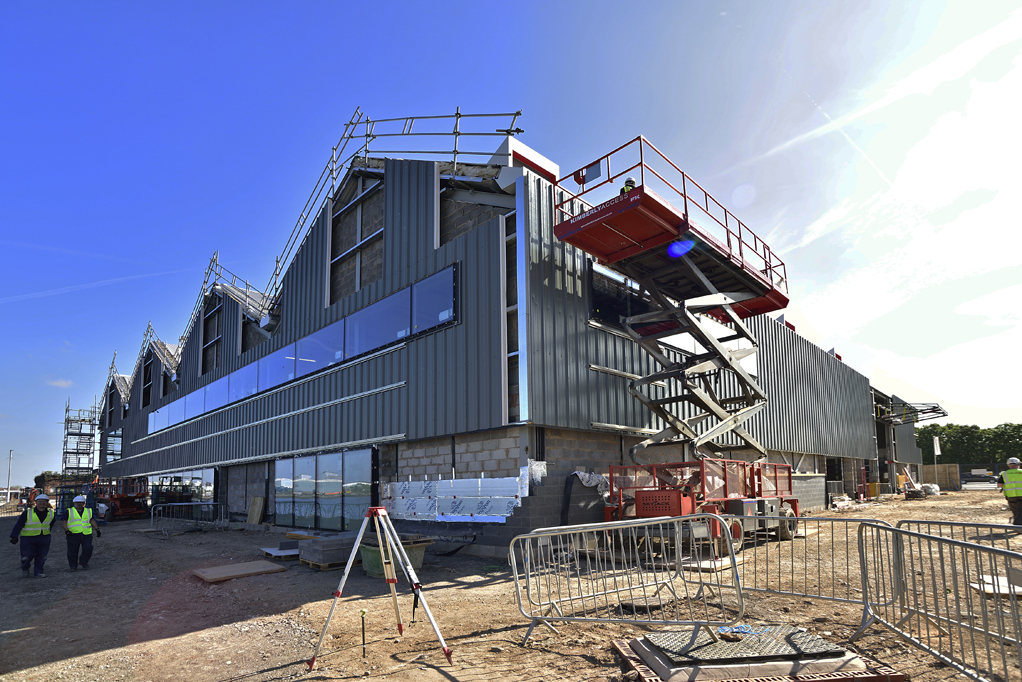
{"type": "Point", "coordinates": [679, 249]}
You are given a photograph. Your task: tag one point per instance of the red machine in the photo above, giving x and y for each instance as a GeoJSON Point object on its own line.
{"type": "Point", "coordinates": [754, 490]}
{"type": "Point", "coordinates": [126, 498]}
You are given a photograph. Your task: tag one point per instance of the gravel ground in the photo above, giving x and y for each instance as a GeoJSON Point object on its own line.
{"type": "Point", "coordinates": [140, 615]}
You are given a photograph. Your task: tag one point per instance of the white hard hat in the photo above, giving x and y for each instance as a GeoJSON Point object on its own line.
{"type": "Point", "coordinates": [1014, 460]}
{"type": "Point", "coordinates": [80, 498]}
{"type": "Point", "coordinates": [630, 181]}
{"type": "Point", "coordinates": [42, 497]}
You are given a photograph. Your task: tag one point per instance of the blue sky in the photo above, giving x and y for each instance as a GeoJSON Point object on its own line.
{"type": "Point", "coordinates": [875, 146]}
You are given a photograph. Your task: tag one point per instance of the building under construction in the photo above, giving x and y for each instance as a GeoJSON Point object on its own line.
{"type": "Point", "coordinates": [457, 335]}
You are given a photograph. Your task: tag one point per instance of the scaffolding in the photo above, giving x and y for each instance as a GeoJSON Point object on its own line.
{"type": "Point", "coordinates": [81, 441]}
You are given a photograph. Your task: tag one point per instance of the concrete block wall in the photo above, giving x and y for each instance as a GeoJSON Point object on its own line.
{"type": "Point", "coordinates": [811, 491]}
{"type": "Point", "coordinates": [494, 454]}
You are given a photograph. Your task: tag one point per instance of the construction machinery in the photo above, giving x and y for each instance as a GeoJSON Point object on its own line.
{"type": "Point", "coordinates": [758, 492]}
{"type": "Point", "coordinates": [125, 498]}
{"type": "Point", "coordinates": [689, 272]}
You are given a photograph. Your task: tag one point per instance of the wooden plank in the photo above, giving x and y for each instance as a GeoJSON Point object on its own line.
{"type": "Point", "coordinates": [230, 571]}
{"type": "Point", "coordinates": [255, 510]}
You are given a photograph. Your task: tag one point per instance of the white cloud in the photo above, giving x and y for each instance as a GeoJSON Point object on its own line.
{"type": "Point", "coordinates": [59, 383]}
{"type": "Point", "coordinates": [947, 68]}
{"type": "Point", "coordinates": [976, 148]}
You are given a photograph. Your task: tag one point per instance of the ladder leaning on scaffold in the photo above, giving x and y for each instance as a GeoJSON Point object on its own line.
{"type": "Point", "coordinates": [390, 547]}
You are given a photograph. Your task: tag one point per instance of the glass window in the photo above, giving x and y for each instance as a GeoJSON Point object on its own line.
{"type": "Point", "coordinates": [277, 367]}
{"type": "Point", "coordinates": [321, 349]}
{"type": "Point", "coordinates": [152, 422]}
{"type": "Point", "coordinates": [383, 322]}
{"type": "Point", "coordinates": [433, 301]}
{"type": "Point", "coordinates": [283, 490]}
{"type": "Point", "coordinates": [193, 404]}
{"type": "Point", "coordinates": [305, 492]}
{"type": "Point", "coordinates": [243, 383]}
{"type": "Point", "coordinates": [160, 419]}
{"type": "Point", "coordinates": [358, 485]}
{"type": "Point", "coordinates": [207, 485]}
{"type": "Point", "coordinates": [328, 491]}
{"type": "Point", "coordinates": [176, 412]}
{"type": "Point", "coordinates": [215, 394]}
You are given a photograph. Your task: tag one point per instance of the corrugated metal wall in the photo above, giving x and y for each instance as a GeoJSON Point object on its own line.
{"type": "Point", "coordinates": [441, 383]}
{"type": "Point", "coordinates": [905, 437]}
{"type": "Point", "coordinates": [816, 403]}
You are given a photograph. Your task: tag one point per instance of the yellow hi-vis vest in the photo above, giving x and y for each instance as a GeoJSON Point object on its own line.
{"type": "Point", "coordinates": [80, 523]}
{"type": "Point", "coordinates": [1012, 482]}
{"type": "Point", "coordinates": [33, 526]}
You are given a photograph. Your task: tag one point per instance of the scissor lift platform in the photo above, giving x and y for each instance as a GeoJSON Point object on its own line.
{"type": "Point", "coordinates": [640, 235]}
{"type": "Point", "coordinates": [689, 255]}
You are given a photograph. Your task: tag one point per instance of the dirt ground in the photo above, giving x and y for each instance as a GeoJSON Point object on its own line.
{"type": "Point", "coordinates": [140, 615]}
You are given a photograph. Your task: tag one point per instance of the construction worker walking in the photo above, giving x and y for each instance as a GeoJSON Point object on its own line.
{"type": "Point", "coordinates": [33, 530]}
{"type": "Point", "coordinates": [78, 527]}
{"type": "Point", "coordinates": [1010, 483]}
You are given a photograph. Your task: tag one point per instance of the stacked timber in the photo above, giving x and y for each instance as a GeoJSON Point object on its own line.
{"type": "Point", "coordinates": [334, 549]}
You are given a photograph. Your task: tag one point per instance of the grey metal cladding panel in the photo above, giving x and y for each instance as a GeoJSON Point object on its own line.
{"type": "Point", "coordinates": [303, 288]}
{"type": "Point", "coordinates": [454, 374]}
{"type": "Point", "coordinates": [816, 404]}
{"type": "Point", "coordinates": [410, 196]}
{"type": "Point", "coordinates": [560, 383]}
{"type": "Point", "coordinates": [905, 438]}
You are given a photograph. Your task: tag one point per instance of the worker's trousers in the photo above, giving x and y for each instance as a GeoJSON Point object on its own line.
{"type": "Point", "coordinates": [1015, 505]}
{"type": "Point", "coordinates": [34, 547]}
{"type": "Point", "coordinates": [76, 541]}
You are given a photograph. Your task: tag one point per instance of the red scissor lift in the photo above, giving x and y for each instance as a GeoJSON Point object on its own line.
{"type": "Point", "coordinates": [689, 257]}
{"type": "Point", "coordinates": [755, 491]}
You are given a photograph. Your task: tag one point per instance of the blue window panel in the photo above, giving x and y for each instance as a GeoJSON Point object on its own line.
{"type": "Point", "coordinates": [383, 322]}
{"type": "Point", "coordinates": [358, 485]}
{"type": "Point", "coordinates": [176, 412]}
{"type": "Point", "coordinates": [328, 490]}
{"type": "Point", "coordinates": [321, 349]}
{"type": "Point", "coordinates": [243, 382]}
{"type": "Point", "coordinates": [277, 367]}
{"type": "Point", "coordinates": [433, 301]}
{"type": "Point", "coordinates": [160, 419]}
{"type": "Point", "coordinates": [194, 402]}
{"type": "Point", "coordinates": [152, 422]}
{"type": "Point", "coordinates": [283, 487]}
{"type": "Point", "coordinates": [215, 394]}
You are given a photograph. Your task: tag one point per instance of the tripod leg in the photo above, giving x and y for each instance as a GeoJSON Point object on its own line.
{"type": "Point", "coordinates": [340, 587]}
{"type": "Point", "coordinates": [406, 565]}
{"type": "Point", "coordinates": [387, 558]}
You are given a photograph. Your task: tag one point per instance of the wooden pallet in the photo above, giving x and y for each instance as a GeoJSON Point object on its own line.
{"type": "Point", "coordinates": [327, 567]}
{"type": "Point", "coordinates": [282, 554]}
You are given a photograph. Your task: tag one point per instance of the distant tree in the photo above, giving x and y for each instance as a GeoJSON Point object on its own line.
{"type": "Point", "coordinates": [970, 444]}
{"type": "Point", "coordinates": [41, 479]}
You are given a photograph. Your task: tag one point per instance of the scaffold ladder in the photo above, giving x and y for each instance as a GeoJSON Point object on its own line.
{"type": "Point", "coordinates": [701, 377]}
{"type": "Point", "coordinates": [390, 549]}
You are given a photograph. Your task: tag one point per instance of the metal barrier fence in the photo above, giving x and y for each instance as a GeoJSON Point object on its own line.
{"type": "Point", "coordinates": [988, 534]}
{"type": "Point", "coordinates": [954, 599]}
{"type": "Point", "coordinates": [820, 561]}
{"type": "Point", "coordinates": [215, 514]}
{"type": "Point", "coordinates": [634, 571]}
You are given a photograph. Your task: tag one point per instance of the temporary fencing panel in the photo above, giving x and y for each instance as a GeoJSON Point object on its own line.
{"type": "Point", "coordinates": [988, 534]}
{"type": "Point", "coordinates": [822, 561]}
{"type": "Point", "coordinates": [214, 514]}
{"type": "Point", "coordinates": [635, 571]}
{"type": "Point", "coordinates": [956, 600]}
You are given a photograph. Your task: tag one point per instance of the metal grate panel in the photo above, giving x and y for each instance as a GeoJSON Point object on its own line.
{"type": "Point", "coordinates": [768, 642]}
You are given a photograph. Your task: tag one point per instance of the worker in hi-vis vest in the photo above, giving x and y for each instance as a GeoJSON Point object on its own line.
{"type": "Point", "coordinates": [1010, 482]}
{"type": "Point", "coordinates": [78, 527]}
{"type": "Point", "coordinates": [33, 530]}
{"type": "Point", "coordinates": [628, 186]}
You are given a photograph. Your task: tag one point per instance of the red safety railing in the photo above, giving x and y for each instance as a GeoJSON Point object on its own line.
{"type": "Point", "coordinates": [600, 180]}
